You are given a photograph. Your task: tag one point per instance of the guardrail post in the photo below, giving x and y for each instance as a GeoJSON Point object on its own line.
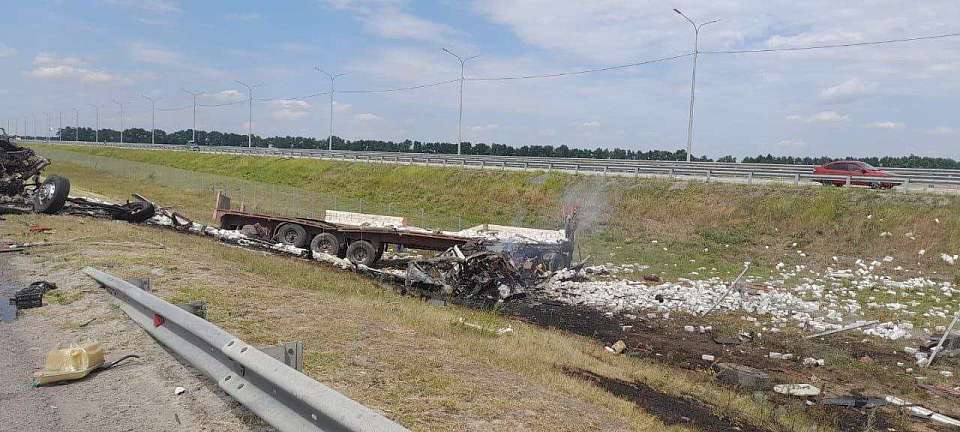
{"type": "Point", "coordinates": [750, 177]}
{"type": "Point", "coordinates": [550, 166]}
{"type": "Point", "coordinates": [906, 184]}
{"type": "Point", "coordinates": [849, 178]}
{"type": "Point", "coordinates": [576, 169]}
{"type": "Point", "coordinates": [709, 174]}
{"type": "Point", "coordinates": [636, 171]}
{"type": "Point", "coordinates": [796, 179]}
{"type": "Point", "coordinates": [503, 166]}
{"type": "Point", "coordinates": [605, 170]}
{"type": "Point", "coordinates": [671, 173]}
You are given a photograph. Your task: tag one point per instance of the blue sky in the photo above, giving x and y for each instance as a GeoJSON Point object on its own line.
{"type": "Point", "coordinates": [893, 99]}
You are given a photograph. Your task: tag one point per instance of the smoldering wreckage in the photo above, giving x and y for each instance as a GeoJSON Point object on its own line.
{"type": "Point", "coordinates": [483, 266]}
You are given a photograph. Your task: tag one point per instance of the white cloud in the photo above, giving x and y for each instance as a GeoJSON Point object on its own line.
{"type": "Point", "coordinates": [484, 128]}
{"type": "Point", "coordinates": [290, 104]}
{"type": "Point", "coordinates": [385, 18]}
{"type": "Point", "coordinates": [589, 124]}
{"type": "Point", "coordinates": [47, 58]}
{"type": "Point", "coordinates": [242, 16]}
{"type": "Point", "coordinates": [288, 114]}
{"type": "Point", "coordinates": [157, 6]}
{"type": "Point", "coordinates": [367, 117]}
{"type": "Point", "coordinates": [49, 66]}
{"type": "Point", "coordinates": [151, 54]}
{"type": "Point", "coordinates": [289, 109]}
{"type": "Point", "coordinates": [820, 117]}
{"type": "Point", "coordinates": [885, 125]}
{"type": "Point", "coordinates": [848, 91]}
{"type": "Point", "coordinates": [341, 107]}
{"type": "Point", "coordinates": [6, 51]}
{"type": "Point", "coordinates": [225, 96]}
{"type": "Point", "coordinates": [942, 130]}
{"type": "Point", "coordinates": [814, 38]}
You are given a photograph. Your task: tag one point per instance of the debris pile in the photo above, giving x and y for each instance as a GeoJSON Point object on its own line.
{"type": "Point", "coordinates": [32, 296]}
{"type": "Point", "coordinates": [472, 275]}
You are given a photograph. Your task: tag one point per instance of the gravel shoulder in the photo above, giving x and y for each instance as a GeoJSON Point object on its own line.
{"type": "Point", "coordinates": [138, 394]}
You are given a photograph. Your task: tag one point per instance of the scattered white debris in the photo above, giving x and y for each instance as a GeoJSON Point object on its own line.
{"type": "Point", "coordinates": [946, 373]}
{"type": "Point", "coordinates": [921, 252]}
{"type": "Point", "coordinates": [802, 390]}
{"type": "Point", "coordinates": [949, 259]}
{"type": "Point", "coordinates": [689, 329]}
{"type": "Point", "coordinates": [920, 411]}
{"type": "Point", "coordinates": [810, 361]}
{"type": "Point", "coordinates": [707, 357]}
{"type": "Point", "coordinates": [179, 391]}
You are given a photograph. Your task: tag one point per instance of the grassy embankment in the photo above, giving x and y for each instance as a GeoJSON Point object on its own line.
{"type": "Point", "coordinates": [400, 355]}
{"type": "Point", "coordinates": [676, 228]}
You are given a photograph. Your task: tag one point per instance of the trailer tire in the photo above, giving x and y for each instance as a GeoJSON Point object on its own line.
{"type": "Point", "coordinates": [325, 243]}
{"type": "Point", "coordinates": [52, 195]}
{"type": "Point", "coordinates": [362, 252]}
{"type": "Point", "coordinates": [292, 234]}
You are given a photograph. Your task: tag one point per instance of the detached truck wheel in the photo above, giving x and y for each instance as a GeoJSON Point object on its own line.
{"type": "Point", "coordinates": [52, 195]}
{"type": "Point", "coordinates": [362, 252]}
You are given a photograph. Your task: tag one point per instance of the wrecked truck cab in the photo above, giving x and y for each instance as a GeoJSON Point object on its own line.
{"type": "Point", "coordinates": [20, 181]}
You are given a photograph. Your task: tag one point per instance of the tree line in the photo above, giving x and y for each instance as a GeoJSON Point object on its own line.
{"type": "Point", "coordinates": [215, 138]}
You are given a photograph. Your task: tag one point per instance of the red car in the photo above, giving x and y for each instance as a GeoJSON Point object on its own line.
{"type": "Point", "coordinates": [854, 169]}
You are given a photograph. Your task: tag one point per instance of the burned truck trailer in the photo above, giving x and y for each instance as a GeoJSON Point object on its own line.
{"type": "Point", "coordinates": [363, 238]}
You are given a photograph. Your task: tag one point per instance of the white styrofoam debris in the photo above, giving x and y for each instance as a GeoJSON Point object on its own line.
{"type": "Point", "coordinates": [707, 357]}
{"type": "Point", "coordinates": [363, 219]}
{"type": "Point", "coordinates": [514, 234]}
{"type": "Point", "coordinates": [802, 390]}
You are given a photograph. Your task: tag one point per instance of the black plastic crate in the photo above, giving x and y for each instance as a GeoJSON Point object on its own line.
{"type": "Point", "coordinates": [31, 296]}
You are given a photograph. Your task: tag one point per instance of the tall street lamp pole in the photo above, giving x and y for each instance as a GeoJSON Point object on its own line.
{"type": "Point", "coordinates": [250, 116]}
{"type": "Point", "coordinates": [462, 61]}
{"type": "Point", "coordinates": [153, 117]}
{"type": "Point", "coordinates": [333, 78]}
{"type": "Point", "coordinates": [76, 112]}
{"type": "Point", "coordinates": [693, 79]}
{"type": "Point", "coordinates": [193, 135]}
{"type": "Point", "coordinates": [121, 118]}
{"type": "Point", "coordinates": [96, 133]}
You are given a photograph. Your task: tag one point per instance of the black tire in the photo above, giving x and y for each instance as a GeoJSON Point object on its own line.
{"type": "Point", "coordinates": [292, 235]}
{"type": "Point", "coordinates": [325, 243]}
{"type": "Point", "coordinates": [362, 252]}
{"type": "Point", "coordinates": [138, 211]}
{"type": "Point", "coordinates": [52, 195]}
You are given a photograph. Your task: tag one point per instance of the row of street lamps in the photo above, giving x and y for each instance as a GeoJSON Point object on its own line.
{"type": "Point", "coordinates": [333, 77]}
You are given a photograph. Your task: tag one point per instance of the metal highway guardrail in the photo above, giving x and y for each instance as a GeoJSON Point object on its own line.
{"type": "Point", "coordinates": [911, 179]}
{"type": "Point", "coordinates": [283, 397]}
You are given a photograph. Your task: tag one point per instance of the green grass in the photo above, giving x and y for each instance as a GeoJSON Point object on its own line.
{"type": "Point", "coordinates": [718, 225]}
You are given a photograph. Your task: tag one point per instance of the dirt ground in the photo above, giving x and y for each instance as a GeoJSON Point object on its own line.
{"type": "Point", "coordinates": [136, 395]}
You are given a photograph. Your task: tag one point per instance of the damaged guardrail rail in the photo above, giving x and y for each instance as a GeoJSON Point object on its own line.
{"type": "Point", "coordinates": [283, 397]}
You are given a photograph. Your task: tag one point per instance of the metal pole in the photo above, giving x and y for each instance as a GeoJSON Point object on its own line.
{"type": "Point", "coordinates": [60, 127]}
{"type": "Point", "coordinates": [333, 78]}
{"type": "Point", "coordinates": [76, 112]}
{"type": "Point", "coordinates": [693, 78]}
{"type": "Point", "coordinates": [193, 135]}
{"type": "Point", "coordinates": [250, 116]}
{"type": "Point", "coordinates": [121, 119]}
{"type": "Point", "coordinates": [96, 133]}
{"type": "Point", "coordinates": [462, 61]}
{"type": "Point", "coordinates": [153, 118]}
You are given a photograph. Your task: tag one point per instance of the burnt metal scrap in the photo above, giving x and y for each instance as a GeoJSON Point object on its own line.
{"type": "Point", "coordinates": [471, 274]}
{"type": "Point", "coordinates": [20, 182]}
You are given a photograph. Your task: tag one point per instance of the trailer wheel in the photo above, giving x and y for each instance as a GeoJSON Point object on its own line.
{"type": "Point", "coordinates": [362, 252]}
{"type": "Point", "coordinates": [292, 234]}
{"type": "Point", "coordinates": [52, 195]}
{"type": "Point", "coordinates": [325, 243]}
